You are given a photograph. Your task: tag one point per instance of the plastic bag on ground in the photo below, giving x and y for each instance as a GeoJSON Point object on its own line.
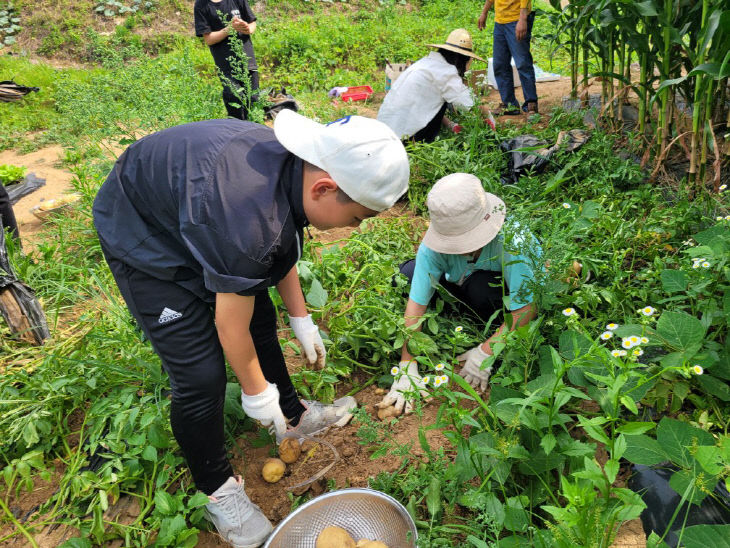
{"type": "Point", "coordinates": [30, 184]}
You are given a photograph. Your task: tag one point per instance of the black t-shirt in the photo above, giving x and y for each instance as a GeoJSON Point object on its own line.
{"type": "Point", "coordinates": [207, 20]}
{"type": "Point", "coordinates": [215, 206]}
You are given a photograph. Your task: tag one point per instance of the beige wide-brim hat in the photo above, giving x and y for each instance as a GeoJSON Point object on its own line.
{"type": "Point", "coordinates": [464, 217]}
{"type": "Point", "coordinates": [459, 40]}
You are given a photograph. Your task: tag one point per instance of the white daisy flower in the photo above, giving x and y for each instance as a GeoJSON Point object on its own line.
{"type": "Point", "coordinates": [626, 343]}
{"type": "Point", "coordinates": [606, 335]}
{"type": "Point", "coordinates": [437, 382]}
{"type": "Point", "coordinates": [722, 187]}
{"type": "Point", "coordinates": [644, 340]}
{"type": "Point", "coordinates": [569, 312]}
{"type": "Point", "coordinates": [718, 218]}
{"type": "Point", "coordinates": [638, 352]}
{"type": "Point", "coordinates": [727, 217]}
{"type": "Point", "coordinates": [439, 367]}
{"type": "Point", "coordinates": [612, 326]}
{"type": "Point", "coordinates": [622, 353]}
{"type": "Point", "coordinates": [458, 329]}
{"type": "Point", "coordinates": [705, 265]}
{"type": "Point", "coordinates": [426, 379]}
{"type": "Point", "coordinates": [394, 371]}
{"type": "Point", "coordinates": [634, 340]}
{"type": "Point", "coordinates": [648, 311]}
{"type": "Point", "coordinates": [697, 369]}
{"type": "Point", "coordinates": [616, 353]}
{"type": "Point", "coordinates": [696, 265]}
{"type": "Point", "coordinates": [566, 205]}
{"type": "Point", "coordinates": [444, 379]}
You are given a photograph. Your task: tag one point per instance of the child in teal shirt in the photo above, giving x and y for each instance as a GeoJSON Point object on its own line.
{"type": "Point", "coordinates": [464, 251]}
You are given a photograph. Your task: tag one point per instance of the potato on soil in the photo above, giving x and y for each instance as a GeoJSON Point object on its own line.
{"type": "Point", "coordinates": [273, 470]}
{"type": "Point", "coordinates": [289, 450]}
{"type": "Point", "coordinates": [334, 537]}
{"type": "Point", "coordinates": [387, 413]}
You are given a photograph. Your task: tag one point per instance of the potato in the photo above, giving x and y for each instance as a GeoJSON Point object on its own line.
{"type": "Point", "coordinates": [334, 537]}
{"type": "Point", "coordinates": [365, 543]}
{"type": "Point", "coordinates": [273, 470]}
{"type": "Point", "coordinates": [387, 413]}
{"type": "Point", "coordinates": [289, 450]}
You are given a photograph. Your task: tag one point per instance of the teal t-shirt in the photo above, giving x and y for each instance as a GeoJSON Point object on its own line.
{"type": "Point", "coordinates": [514, 265]}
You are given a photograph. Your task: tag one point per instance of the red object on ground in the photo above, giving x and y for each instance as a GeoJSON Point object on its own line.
{"type": "Point", "coordinates": [457, 128]}
{"type": "Point", "coordinates": [357, 93]}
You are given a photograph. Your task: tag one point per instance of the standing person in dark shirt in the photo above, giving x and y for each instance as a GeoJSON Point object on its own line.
{"type": "Point", "coordinates": [197, 222]}
{"type": "Point", "coordinates": [237, 95]}
{"type": "Point", "coordinates": [7, 216]}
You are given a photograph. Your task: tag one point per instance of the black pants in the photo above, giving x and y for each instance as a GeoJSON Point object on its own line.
{"type": "Point", "coordinates": [428, 134]}
{"type": "Point", "coordinates": [240, 108]}
{"type": "Point", "coordinates": [192, 356]}
{"type": "Point", "coordinates": [7, 217]}
{"type": "Point", "coordinates": [481, 292]}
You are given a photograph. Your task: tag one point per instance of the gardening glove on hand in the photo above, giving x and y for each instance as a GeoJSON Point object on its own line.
{"type": "Point", "coordinates": [402, 392]}
{"type": "Point", "coordinates": [472, 371]}
{"type": "Point", "coordinates": [307, 333]}
{"type": "Point", "coordinates": [264, 407]}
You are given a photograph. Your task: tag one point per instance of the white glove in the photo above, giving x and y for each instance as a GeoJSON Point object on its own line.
{"type": "Point", "coordinates": [307, 333]}
{"type": "Point", "coordinates": [472, 371]}
{"type": "Point", "coordinates": [264, 407]}
{"type": "Point", "coordinates": [404, 388]}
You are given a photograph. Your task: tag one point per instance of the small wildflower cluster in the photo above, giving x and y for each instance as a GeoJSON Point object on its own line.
{"type": "Point", "coordinates": [630, 342]}
{"type": "Point", "coordinates": [439, 380]}
{"type": "Point", "coordinates": [721, 218]}
{"type": "Point", "coordinates": [700, 262]}
{"type": "Point", "coordinates": [569, 312]}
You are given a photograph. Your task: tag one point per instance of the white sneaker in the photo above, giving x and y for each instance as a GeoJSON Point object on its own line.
{"type": "Point", "coordinates": [319, 417]}
{"type": "Point", "coordinates": [238, 520]}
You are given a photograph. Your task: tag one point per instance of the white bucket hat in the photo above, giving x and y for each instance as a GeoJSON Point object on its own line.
{"type": "Point", "coordinates": [464, 217]}
{"type": "Point", "coordinates": [363, 156]}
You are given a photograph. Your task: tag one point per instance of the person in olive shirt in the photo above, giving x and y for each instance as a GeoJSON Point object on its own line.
{"type": "Point", "coordinates": [513, 20]}
{"type": "Point", "coordinates": [211, 17]}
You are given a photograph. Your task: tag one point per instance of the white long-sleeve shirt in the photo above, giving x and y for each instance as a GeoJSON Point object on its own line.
{"type": "Point", "coordinates": [418, 94]}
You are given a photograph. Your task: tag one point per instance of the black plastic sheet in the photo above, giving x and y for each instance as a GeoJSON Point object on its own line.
{"type": "Point", "coordinates": [527, 153]}
{"type": "Point", "coordinates": [652, 483]}
{"type": "Point", "coordinates": [280, 101]}
{"type": "Point", "coordinates": [10, 91]}
{"type": "Point", "coordinates": [30, 184]}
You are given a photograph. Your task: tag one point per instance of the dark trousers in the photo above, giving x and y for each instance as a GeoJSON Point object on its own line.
{"type": "Point", "coordinates": [240, 108]}
{"type": "Point", "coordinates": [506, 46]}
{"type": "Point", "coordinates": [428, 134]}
{"type": "Point", "coordinates": [192, 356]}
{"type": "Point", "coordinates": [7, 217]}
{"type": "Point", "coordinates": [481, 292]}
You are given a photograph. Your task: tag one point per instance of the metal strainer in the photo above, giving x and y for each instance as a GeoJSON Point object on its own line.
{"type": "Point", "coordinates": [364, 513]}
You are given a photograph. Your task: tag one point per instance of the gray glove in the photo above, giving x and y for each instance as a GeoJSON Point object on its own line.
{"type": "Point", "coordinates": [264, 407]}
{"type": "Point", "coordinates": [404, 388]}
{"type": "Point", "coordinates": [472, 371]}
{"type": "Point", "coordinates": [307, 333]}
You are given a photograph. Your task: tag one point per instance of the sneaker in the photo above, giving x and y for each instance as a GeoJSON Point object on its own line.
{"type": "Point", "coordinates": [503, 109]}
{"type": "Point", "coordinates": [238, 520]}
{"type": "Point", "coordinates": [319, 417]}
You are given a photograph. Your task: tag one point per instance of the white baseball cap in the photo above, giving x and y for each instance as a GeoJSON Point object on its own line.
{"type": "Point", "coordinates": [363, 156]}
{"type": "Point", "coordinates": [464, 217]}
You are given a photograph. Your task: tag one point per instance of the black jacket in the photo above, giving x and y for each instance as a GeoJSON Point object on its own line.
{"type": "Point", "coordinates": [215, 206]}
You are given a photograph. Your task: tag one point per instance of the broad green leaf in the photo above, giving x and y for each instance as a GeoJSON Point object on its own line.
{"type": "Point", "coordinates": [149, 453]}
{"type": "Point", "coordinates": [704, 536]}
{"type": "Point", "coordinates": [684, 481]}
{"type": "Point", "coordinates": [642, 449]}
{"type": "Point", "coordinates": [317, 296]}
{"type": "Point", "coordinates": [680, 330]}
{"type": "Point", "coordinates": [675, 437]}
{"type": "Point", "coordinates": [673, 281]}
{"type": "Point", "coordinates": [76, 543]}
{"type": "Point", "coordinates": [158, 436]}
{"type": "Point", "coordinates": [717, 387]}
{"type": "Point", "coordinates": [433, 497]}
{"type": "Point", "coordinates": [515, 516]}
{"type": "Point", "coordinates": [611, 468]}
{"type": "Point", "coordinates": [164, 502]}
{"type": "Point", "coordinates": [548, 443]}
{"type": "Point", "coordinates": [634, 428]}
{"type": "Point", "coordinates": [646, 9]}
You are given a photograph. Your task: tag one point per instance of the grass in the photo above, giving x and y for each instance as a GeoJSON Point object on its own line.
{"type": "Point", "coordinates": [636, 239]}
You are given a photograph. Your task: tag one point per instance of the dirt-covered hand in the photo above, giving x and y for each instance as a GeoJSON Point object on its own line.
{"type": "Point", "coordinates": [264, 407]}
{"type": "Point", "coordinates": [408, 383]}
{"type": "Point", "coordinates": [472, 371]}
{"type": "Point", "coordinates": [307, 333]}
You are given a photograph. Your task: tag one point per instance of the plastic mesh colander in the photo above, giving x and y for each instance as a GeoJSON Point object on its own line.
{"type": "Point", "coordinates": [364, 513]}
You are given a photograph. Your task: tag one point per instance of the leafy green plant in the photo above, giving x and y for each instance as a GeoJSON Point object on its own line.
{"type": "Point", "coordinates": [11, 174]}
{"type": "Point", "coordinates": [9, 24]}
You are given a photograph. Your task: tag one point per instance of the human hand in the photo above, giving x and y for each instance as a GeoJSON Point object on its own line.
{"type": "Point", "coordinates": [521, 29]}
{"type": "Point", "coordinates": [264, 407]}
{"type": "Point", "coordinates": [307, 333]}
{"type": "Point", "coordinates": [482, 21]}
{"type": "Point", "coordinates": [404, 388]}
{"type": "Point", "coordinates": [472, 371]}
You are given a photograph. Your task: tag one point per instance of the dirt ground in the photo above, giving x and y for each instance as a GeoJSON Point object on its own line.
{"type": "Point", "coordinates": [355, 467]}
